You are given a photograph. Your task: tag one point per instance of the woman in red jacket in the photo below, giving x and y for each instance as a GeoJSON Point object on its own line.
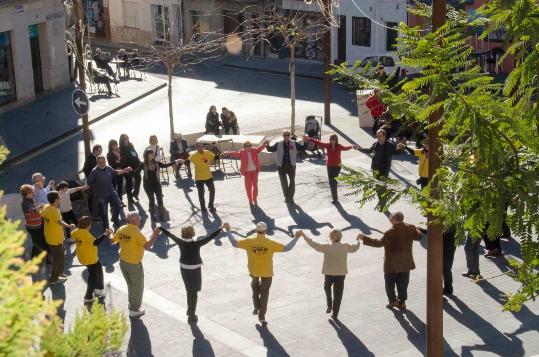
{"type": "Point", "coordinates": [333, 160]}
{"type": "Point", "coordinates": [377, 108]}
{"type": "Point", "coordinates": [249, 168]}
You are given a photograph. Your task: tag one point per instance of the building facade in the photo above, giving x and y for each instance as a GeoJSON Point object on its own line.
{"type": "Point", "coordinates": [365, 27]}
{"type": "Point", "coordinates": [33, 58]}
{"type": "Point", "coordinates": [487, 51]}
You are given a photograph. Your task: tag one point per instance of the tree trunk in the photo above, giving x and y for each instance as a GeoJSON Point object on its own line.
{"type": "Point", "coordinates": [293, 89]}
{"type": "Point", "coordinates": [170, 69]}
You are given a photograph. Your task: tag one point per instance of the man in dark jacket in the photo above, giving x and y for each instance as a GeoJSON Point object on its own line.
{"type": "Point", "coordinates": [179, 149]}
{"type": "Point", "coordinates": [101, 60]}
{"type": "Point", "coordinates": [398, 257]}
{"type": "Point", "coordinates": [383, 150]}
{"type": "Point", "coordinates": [91, 160]}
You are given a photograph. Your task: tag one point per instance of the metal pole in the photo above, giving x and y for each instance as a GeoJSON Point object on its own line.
{"type": "Point", "coordinates": [327, 59]}
{"type": "Point", "coordinates": [77, 7]}
{"type": "Point", "coordinates": [434, 246]}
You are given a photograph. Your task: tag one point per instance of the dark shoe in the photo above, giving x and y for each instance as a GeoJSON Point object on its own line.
{"type": "Point", "coordinates": [136, 197]}
{"type": "Point", "coordinates": [469, 275]}
{"type": "Point", "coordinates": [401, 306]}
{"type": "Point", "coordinates": [204, 209]}
{"type": "Point", "coordinates": [393, 304]}
{"type": "Point", "coordinates": [122, 204]}
{"type": "Point", "coordinates": [212, 209]}
{"type": "Point", "coordinates": [448, 291]}
{"type": "Point", "coordinates": [334, 202]}
{"type": "Point", "coordinates": [192, 319]}
{"type": "Point", "coordinates": [335, 318]}
{"type": "Point", "coordinates": [328, 310]}
{"type": "Point", "coordinates": [255, 312]}
{"type": "Point", "coordinates": [262, 321]}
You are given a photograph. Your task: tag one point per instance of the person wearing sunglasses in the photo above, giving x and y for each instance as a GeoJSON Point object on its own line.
{"type": "Point", "coordinates": [287, 151]}
{"type": "Point", "coordinates": [249, 168]}
{"type": "Point", "coordinates": [333, 160]}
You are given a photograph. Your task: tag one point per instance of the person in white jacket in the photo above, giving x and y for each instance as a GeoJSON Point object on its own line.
{"type": "Point", "coordinates": [334, 268]}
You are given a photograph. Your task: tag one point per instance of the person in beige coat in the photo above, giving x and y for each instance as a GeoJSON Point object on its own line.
{"type": "Point", "coordinates": [334, 268]}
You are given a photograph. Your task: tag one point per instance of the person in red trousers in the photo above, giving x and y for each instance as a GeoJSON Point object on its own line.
{"type": "Point", "coordinates": [333, 160]}
{"type": "Point", "coordinates": [249, 168]}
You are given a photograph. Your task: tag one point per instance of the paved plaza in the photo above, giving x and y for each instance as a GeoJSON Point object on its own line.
{"type": "Point", "coordinates": [474, 323]}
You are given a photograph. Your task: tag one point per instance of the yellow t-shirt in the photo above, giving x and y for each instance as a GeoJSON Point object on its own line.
{"type": "Point", "coordinates": [54, 232]}
{"type": "Point", "coordinates": [260, 255]}
{"type": "Point", "coordinates": [202, 164]}
{"type": "Point", "coordinates": [131, 242]}
{"type": "Point", "coordinates": [86, 250]}
{"type": "Point", "coordinates": [423, 168]}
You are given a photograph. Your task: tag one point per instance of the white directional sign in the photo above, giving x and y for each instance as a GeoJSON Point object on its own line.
{"type": "Point", "coordinates": [80, 102]}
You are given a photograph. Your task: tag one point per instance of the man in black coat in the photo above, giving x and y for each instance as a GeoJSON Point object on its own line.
{"type": "Point", "coordinates": [383, 153]}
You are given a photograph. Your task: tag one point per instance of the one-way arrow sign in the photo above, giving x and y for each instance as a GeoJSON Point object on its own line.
{"type": "Point", "coordinates": [80, 102]}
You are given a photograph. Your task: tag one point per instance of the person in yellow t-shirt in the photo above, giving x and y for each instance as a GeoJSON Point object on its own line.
{"type": "Point", "coordinates": [87, 255]}
{"type": "Point", "coordinates": [132, 245]}
{"type": "Point", "coordinates": [202, 160]}
{"type": "Point", "coordinates": [423, 167]}
{"type": "Point", "coordinates": [54, 236]}
{"type": "Point", "coordinates": [260, 252]}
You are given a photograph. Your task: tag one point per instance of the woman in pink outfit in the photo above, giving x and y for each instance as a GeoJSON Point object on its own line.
{"type": "Point", "coordinates": [249, 168]}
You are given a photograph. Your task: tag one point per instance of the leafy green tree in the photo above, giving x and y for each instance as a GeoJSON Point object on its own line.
{"type": "Point", "coordinates": [29, 325]}
{"type": "Point", "coordinates": [488, 131]}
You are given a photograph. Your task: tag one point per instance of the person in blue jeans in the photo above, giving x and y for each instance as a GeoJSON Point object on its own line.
{"type": "Point", "coordinates": [100, 181]}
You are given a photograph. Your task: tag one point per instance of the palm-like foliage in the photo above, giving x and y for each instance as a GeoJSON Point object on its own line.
{"type": "Point", "coordinates": [488, 131]}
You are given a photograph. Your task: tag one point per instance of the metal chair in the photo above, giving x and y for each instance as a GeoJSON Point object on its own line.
{"type": "Point", "coordinates": [230, 162]}
{"type": "Point", "coordinates": [163, 171]}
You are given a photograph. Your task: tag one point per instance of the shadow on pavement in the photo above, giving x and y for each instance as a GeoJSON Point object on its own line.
{"type": "Point", "coordinates": [201, 346]}
{"type": "Point", "coordinates": [139, 341]}
{"type": "Point", "coordinates": [270, 342]}
{"type": "Point", "coordinates": [494, 340]}
{"type": "Point", "coordinates": [304, 220]}
{"type": "Point", "coordinates": [355, 222]}
{"type": "Point", "coordinates": [58, 292]}
{"type": "Point", "coordinates": [353, 345]}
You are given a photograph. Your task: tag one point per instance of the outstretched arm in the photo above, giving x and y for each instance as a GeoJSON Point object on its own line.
{"type": "Point", "coordinates": [176, 239]}
{"type": "Point", "coordinates": [232, 240]}
{"type": "Point", "coordinates": [377, 243]}
{"type": "Point", "coordinates": [271, 148]}
{"type": "Point", "coordinates": [316, 246]}
{"type": "Point", "coordinates": [210, 237]}
{"type": "Point", "coordinates": [291, 244]}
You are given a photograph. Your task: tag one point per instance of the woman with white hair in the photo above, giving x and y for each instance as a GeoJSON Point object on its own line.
{"type": "Point", "coordinates": [249, 168]}
{"type": "Point", "coordinates": [334, 268]}
{"type": "Point", "coordinates": [191, 263]}
{"type": "Point", "coordinates": [180, 150]}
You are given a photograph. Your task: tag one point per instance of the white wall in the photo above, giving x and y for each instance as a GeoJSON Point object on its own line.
{"type": "Point", "coordinates": [381, 11]}
{"type": "Point", "coordinates": [49, 15]}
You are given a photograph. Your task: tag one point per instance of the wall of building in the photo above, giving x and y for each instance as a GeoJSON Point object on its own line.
{"type": "Point", "coordinates": [381, 11]}
{"type": "Point", "coordinates": [49, 16]}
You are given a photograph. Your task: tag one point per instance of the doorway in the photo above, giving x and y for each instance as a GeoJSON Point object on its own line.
{"type": "Point", "coordinates": [341, 40]}
{"type": "Point", "coordinates": [33, 32]}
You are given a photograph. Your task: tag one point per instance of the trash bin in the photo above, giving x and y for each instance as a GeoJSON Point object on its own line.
{"type": "Point", "coordinates": [363, 113]}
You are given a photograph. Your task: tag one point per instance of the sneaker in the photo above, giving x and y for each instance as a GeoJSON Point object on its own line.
{"type": "Point", "coordinates": [59, 281]}
{"type": "Point", "coordinates": [100, 293]}
{"type": "Point", "coordinates": [87, 301]}
{"type": "Point", "coordinates": [137, 313]}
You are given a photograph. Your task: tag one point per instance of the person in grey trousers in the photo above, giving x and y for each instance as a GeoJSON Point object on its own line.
{"type": "Point", "coordinates": [471, 251]}
{"type": "Point", "coordinates": [287, 152]}
{"type": "Point", "coordinates": [334, 268]}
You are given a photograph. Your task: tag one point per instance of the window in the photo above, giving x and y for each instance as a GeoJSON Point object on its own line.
{"type": "Point", "coordinates": [391, 36]}
{"type": "Point", "coordinates": [7, 75]}
{"type": "Point", "coordinates": [161, 24]}
{"type": "Point", "coordinates": [130, 14]}
{"type": "Point", "coordinates": [201, 23]}
{"type": "Point", "coordinates": [361, 31]}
